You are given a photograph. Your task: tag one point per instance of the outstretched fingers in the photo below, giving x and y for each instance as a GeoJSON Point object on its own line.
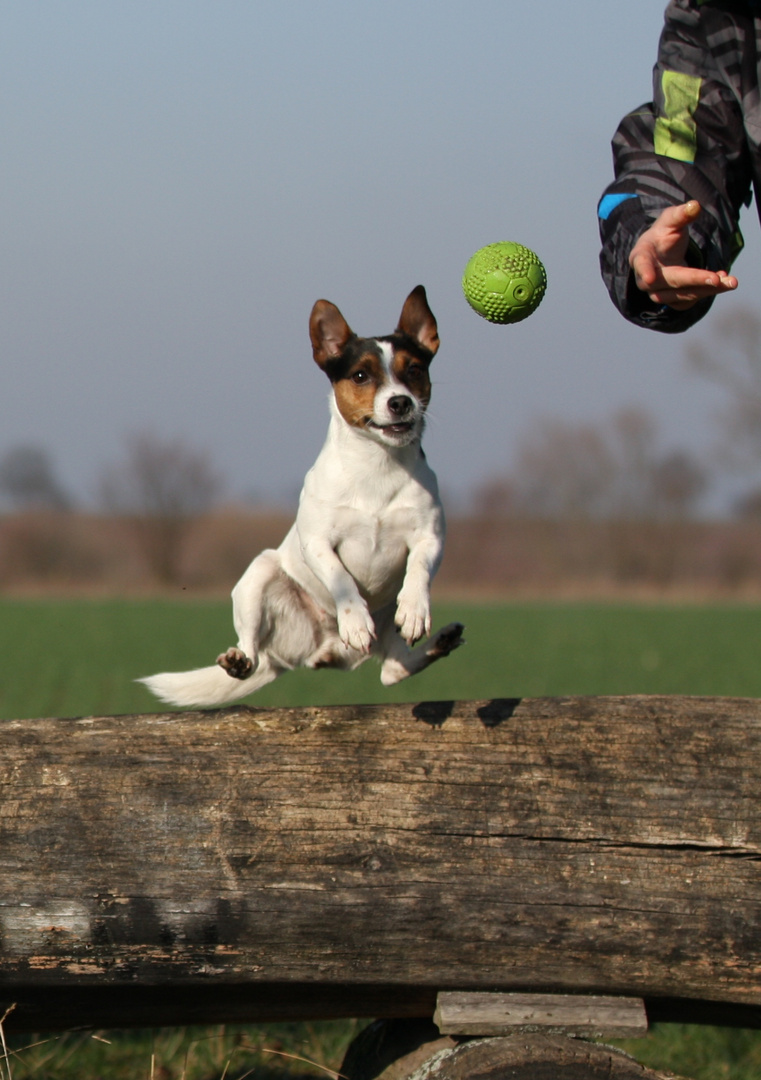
{"type": "Point", "coordinates": [658, 262]}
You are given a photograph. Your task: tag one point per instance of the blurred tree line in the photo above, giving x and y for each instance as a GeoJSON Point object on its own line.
{"type": "Point", "coordinates": [159, 490]}
{"type": "Point", "coordinates": [615, 468]}
{"type": "Point", "coordinates": [604, 471]}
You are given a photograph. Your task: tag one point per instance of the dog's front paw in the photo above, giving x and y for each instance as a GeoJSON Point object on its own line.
{"type": "Point", "coordinates": [236, 663]}
{"type": "Point", "coordinates": [413, 618]}
{"type": "Point", "coordinates": [446, 640]}
{"type": "Point", "coordinates": [356, 628]}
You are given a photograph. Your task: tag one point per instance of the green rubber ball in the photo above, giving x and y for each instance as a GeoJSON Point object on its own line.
{"type": "Point", "coordinates": [504, 282]}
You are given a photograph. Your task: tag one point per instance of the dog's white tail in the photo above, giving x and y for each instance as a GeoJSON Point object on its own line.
{"type": "Point", "coordinates": [205, 687]}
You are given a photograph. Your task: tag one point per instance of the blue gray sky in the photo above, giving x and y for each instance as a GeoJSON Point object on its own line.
{"type": "Point", "coordinates": [182, 180]}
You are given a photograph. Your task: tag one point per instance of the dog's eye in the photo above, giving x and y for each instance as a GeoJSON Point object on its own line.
{"type": "Point", "coordinates": [415, 371]}
{"type": "Point", "coordinates": [360, 377]}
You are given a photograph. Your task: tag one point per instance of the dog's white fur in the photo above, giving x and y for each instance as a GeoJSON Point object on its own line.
{"type": "Point", "coordinates": [352, 577]}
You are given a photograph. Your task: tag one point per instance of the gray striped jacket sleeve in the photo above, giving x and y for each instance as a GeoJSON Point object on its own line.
{"type": "Point", "coordinates": [689, 143]}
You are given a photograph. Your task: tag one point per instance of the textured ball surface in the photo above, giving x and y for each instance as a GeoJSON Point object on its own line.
{"type": "Point", "coordinates": [504, 282]}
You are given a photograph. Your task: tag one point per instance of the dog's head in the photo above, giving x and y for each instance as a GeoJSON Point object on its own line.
{"type": "Point", "coordinates": [381, 385]}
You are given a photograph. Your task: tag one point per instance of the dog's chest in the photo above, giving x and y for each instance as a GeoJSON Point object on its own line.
{"type": "Point", "coordinates": [371, 509]}
{"type": "Point", "coordinates": [374, 547]}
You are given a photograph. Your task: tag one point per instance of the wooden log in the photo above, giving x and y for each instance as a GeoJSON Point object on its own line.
{"type": "Point", "coordinates": [401, 1050]}
{"type": "Point", "coordinates": [248, 864]}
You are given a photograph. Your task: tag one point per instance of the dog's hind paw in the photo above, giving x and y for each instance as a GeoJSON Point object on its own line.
{"type": "Point", "coordinates": [446, 640]}
{"type": "Point", "coordinates": [236, 663]}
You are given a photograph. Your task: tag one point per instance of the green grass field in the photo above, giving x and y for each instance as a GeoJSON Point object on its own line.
{"type": "Point", "coordinates": [76, 657]}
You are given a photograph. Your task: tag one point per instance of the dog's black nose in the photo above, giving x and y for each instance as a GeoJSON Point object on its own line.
{"type": "Point", "coordinates": [399, 405]}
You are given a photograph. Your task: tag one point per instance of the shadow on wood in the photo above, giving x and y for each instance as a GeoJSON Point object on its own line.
{"type": "Point", "coordinates": [248, 864]}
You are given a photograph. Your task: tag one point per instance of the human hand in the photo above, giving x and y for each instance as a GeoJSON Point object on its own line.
{"type": "Point", "coordinates": [657, 261]}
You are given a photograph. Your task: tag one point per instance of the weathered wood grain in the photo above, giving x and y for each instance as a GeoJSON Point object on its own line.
{"type": "Point", "coordinates": [357, 860]}
{"type": "Point", "coordinates": [536, 1057]}
{"type": "Point", "coordinates": [409, 1050]}
{"type": "Point", "coordinates": [469, 1012]}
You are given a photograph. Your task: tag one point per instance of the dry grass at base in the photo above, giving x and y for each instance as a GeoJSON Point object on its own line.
{"type": "Point", "coordinates": [218, 1052]}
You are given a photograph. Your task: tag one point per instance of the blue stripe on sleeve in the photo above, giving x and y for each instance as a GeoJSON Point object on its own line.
{"type": "Point", "coordinates": [608, 204]}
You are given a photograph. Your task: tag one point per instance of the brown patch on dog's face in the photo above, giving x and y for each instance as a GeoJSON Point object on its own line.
{"type": "Point", "coordinates": [381, 386]}
{"type": "Point", "coordinates": [356, 384]}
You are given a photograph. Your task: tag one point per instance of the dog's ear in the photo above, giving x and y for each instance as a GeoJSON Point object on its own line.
{"type": "Point", "coordinates": [329, 331]}
{"type": "Point", "coordinates": [417, 321]}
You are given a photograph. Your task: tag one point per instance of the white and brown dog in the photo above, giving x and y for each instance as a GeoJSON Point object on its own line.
{"type": "Point", "coordinates": [352, 577]}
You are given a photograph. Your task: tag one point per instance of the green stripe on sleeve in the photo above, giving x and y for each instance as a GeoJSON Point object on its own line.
{"type": "Point", "coordinates": [675, 134]}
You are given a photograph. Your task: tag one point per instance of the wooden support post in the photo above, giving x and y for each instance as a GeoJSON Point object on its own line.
{"type": "Point", "coordinates": [248, 864]}
{"type": "Point", "coordinates": [482, 1014]}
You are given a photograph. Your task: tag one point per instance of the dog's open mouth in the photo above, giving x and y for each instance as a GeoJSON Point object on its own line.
{"type": "Point", "coordinates": [400, 428]}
